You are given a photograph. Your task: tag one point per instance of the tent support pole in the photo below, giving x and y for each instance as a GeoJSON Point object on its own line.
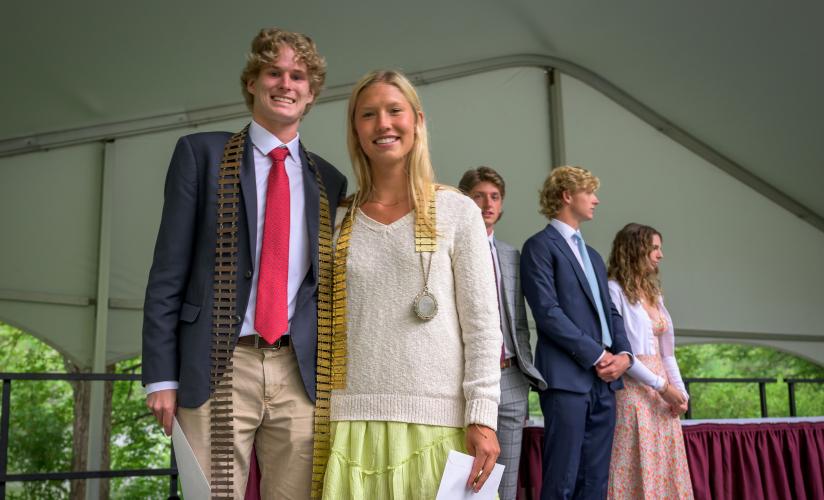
{"type": "Point", "coordinates": [95, 445]}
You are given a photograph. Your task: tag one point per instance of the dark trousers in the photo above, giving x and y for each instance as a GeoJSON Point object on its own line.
{"type": "Point", "coordinates": [577, 442]}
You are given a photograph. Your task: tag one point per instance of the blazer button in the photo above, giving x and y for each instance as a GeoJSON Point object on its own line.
{"type": "Point", "coordinates": [237, 318]}
{"type": "Point", "coordinates": [247, 274]}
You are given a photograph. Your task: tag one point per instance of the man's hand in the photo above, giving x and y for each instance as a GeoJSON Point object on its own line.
{"type": "Point", "coordinates": [481, 443]}
{"type": "Point", "coordinates": [163, 405]}
{"type": "Point", "coordinates": [611, 367]}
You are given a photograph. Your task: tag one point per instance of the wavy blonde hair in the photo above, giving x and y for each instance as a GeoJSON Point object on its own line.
{"type": "Point", "coordinates": [629, 263]}
{"type": "Point", "coordinates": [266, 50]}
{"type": "Point", "coordinates": [567, 178]}
{"type": "Point", "coordinates": [419, 169]}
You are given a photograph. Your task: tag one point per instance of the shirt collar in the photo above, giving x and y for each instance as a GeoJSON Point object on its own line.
{"type": "Point", "coordinates": [266, 141]}
{"type": "Point", "coordinates": [491, 238]}
{"type": "Point", "coordinates": [565, 229]}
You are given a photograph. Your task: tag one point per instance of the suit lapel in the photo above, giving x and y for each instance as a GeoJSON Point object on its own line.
{"type": "Point", "coordinates": [506, 287]}
{"type": "Point", "coordinates": [561, 243]}
{"type": "Point", "coordinates": [249, 190]}
{"type": "Point", "coordinates": [312, 193]}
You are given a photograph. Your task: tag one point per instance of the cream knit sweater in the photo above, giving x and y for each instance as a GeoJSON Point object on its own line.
{"type": "Point", "coordinates": [444, 371]}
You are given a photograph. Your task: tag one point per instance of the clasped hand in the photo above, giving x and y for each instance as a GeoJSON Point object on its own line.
{"type": "Point", "coordinates": [612, 366]}
{"type": "Point", "coordinates": [676, 400]}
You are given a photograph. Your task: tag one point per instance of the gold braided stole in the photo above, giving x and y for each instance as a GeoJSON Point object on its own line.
{"type": "Point", "coordinates": [224, 319]}
{"type": "Point", "coordinates": [425, 241]}
{"type": "Point", "coordinates": [331, 367]}
{"type": "Point", "coordinates": [224, 322]}
{"type": "Point", "coordinates": [325, 355]}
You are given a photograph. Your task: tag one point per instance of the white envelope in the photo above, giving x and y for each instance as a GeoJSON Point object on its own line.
{"type": "Point", "coordinates": [455, 474]}
{"type": "Point", "coordinates": [192, 479]}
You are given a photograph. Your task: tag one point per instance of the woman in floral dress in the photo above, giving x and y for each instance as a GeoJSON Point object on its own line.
{"type": "Point", "coordinates": [648, 456]}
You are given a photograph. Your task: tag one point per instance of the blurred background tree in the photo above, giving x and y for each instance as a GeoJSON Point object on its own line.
{"type": "Point", "coordinates": [41, 426]}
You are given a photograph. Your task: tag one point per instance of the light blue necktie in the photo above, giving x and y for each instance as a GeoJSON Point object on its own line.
{"type": "Point", "coordinates": [593, 286]}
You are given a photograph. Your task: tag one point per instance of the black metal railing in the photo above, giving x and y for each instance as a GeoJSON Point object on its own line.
{"type": "Point", "coordinates": [762, 389]}
{"type": "Point", "coordinates": [791, 389]}
{"type": "Point", "coordinates": [172, 471]}
{"type": "Point", "coordinates": [67, 476]}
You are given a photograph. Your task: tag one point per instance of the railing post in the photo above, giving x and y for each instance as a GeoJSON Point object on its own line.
{"type": "Point", "coordinates": [689, 401]}
{"type": "Point", "coordinates": [173, 477]}
{"type": "Point", "coordinates": [4, 436]}
{"type": "Point", "coordinates": [762, 393]}
{"type": "Point", "coordinates": [791, 390]}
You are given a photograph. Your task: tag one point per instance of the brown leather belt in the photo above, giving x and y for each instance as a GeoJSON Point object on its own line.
{"type": "Point", "coordinates": [507, 363]}
{"type": "Point", "coordinates": [259, 343]}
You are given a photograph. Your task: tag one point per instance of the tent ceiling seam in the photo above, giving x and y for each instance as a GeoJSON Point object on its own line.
{"type": "Point", "coordinates": [721, 335]}
{"type": "Point", "coordinates": [109, 131]}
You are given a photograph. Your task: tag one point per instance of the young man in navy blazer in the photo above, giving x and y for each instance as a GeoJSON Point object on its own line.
{"type": "Point", "coordinates": [582, 347]}
{"type": "Point", "coordinates": [277, 224]}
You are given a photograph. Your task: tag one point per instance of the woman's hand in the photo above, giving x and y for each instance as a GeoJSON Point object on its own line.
{"type": "Point", "coordinates": [481, 443]}
{"type": "Point", "coordinates": [679, 410]}
{"type": "Point", "coordinates": [674, 398]}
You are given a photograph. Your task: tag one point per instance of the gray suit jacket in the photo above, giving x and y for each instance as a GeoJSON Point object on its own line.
{"type": "Point", "coordinates": [177, 315]}
{"type": "Point", "coordinates": [514, 311]}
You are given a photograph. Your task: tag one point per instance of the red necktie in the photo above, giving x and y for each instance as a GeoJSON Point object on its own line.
{"type": "Point", "coordinates": [271, 309]}
{"type": "Point", "coordinates": [498, 296]}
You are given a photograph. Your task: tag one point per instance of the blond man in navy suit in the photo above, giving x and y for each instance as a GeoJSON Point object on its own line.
{"type": "Point", "coordinates": [582, 347]}
{"type": "Point", "coordinates": [487, 188]}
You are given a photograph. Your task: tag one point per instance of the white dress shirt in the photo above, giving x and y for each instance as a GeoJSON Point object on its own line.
{"type": "Point", "coordinates": [568, 232]}
{"type": "Point", "coordinates": [263, 142]}
{"type": "Point", "coordinates": [638, 326]}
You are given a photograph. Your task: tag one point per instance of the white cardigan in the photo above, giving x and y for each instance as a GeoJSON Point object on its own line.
{"type": "Point", "coordinates": [445, 371]}
{"type": "Point", "coordinates": [638, 326]}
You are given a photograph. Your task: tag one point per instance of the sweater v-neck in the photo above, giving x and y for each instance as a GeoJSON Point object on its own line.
{"type": "Point", "coordinates": [380, 226]}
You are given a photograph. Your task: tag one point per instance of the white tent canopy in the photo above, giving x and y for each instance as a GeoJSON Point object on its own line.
{"type": "Point", "coordinates": [700, 119]}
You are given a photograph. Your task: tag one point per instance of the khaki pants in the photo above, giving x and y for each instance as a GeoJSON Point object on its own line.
{"type": "Point", "coordinates": [271, 411]}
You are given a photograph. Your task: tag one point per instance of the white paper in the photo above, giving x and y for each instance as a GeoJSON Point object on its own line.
{"type": "Point", "coordinates": [192, 479]}
{"type": "Point", "coordinates": [455, 475]}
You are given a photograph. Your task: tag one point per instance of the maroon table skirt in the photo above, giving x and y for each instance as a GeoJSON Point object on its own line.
{"type": "Point", "coordinates": [753, 461]}
{"type": "Point", "coordinates": [733, 461]}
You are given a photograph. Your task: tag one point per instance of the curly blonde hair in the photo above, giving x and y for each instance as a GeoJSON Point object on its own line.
{"type": "Point", "coordinates": [265, 51]}
{"type": "Point", "coordinates": [420, 172]}
{"type": "Point", "coordinates": [629, 263]}
{"type": "Point", "coordinates": [571, 179]}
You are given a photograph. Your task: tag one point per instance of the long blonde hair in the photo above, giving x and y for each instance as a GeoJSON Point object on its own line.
{"type": "Point", "coordinates": [419, 169]}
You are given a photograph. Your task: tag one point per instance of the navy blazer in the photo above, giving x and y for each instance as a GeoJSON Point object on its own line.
{"type": "Point", "coordinates": [569, 331]}
{"type": "Point", "coordinates": [177, 314]}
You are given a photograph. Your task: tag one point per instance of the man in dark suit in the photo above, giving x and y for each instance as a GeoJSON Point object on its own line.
{"type": "Point", "coordinates": [487, 188]}
{"type": "Point", "coordinates": [245, 242]}
{"type": "Point", "coordinates": [582, 347]}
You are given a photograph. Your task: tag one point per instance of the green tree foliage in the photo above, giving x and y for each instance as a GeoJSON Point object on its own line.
{"type": "Point", "coordinates": [137, 441]}
{"type": "Point", "coordinates": [733, 400]}
{"type": "Point", "coordinates": [742, 400]}
{"type": "Point", "coordinates": [40, 428]}
{"type": "Point", "coordinates": [41, 416]}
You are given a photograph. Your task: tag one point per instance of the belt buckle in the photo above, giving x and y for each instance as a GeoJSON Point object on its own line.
{"type": "Point", "coordinates": [274, 347]}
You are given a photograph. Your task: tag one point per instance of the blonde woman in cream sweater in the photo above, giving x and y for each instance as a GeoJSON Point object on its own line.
{"type": "Point", "coordinates": [423, 332]}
